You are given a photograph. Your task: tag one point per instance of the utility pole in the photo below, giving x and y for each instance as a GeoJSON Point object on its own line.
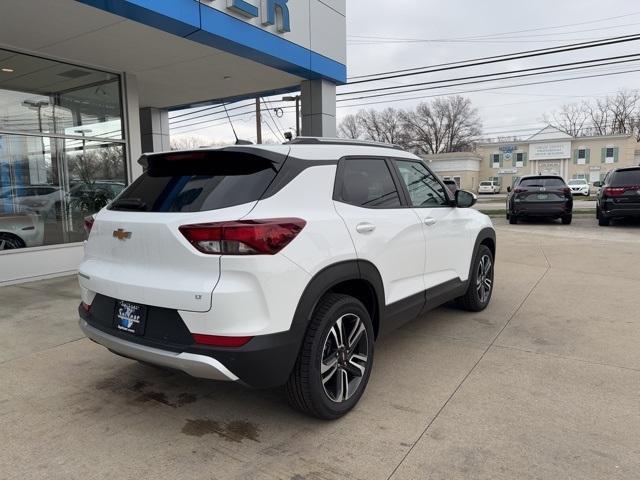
{"type": "Point", "coordinates": [258, 120]}
{"type": "Point", "coordinates": [296, 99]}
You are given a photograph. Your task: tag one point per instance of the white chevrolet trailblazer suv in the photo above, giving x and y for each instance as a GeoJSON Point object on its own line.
{"type": "Point", "coordinates": [280, 265]}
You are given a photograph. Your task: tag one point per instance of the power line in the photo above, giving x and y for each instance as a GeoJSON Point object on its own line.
{"type": "Point", "coordinates": [212, 113]}
{"type": "Point", "coordinates": [280, 129]}
{"type": "Point", "coordinates": [217, 117]}
{"type": "Point", "coordinates": [600, 20]}
{"type": "Point", "coordinates": [362, 39]}
{"type": "Point", "coordinates": [195, 111]}
{"type": "Point", "coordinates": [495, 79]}
{"type": "Point", "coordinates": [510, 72]}
{"type": "Point", "coordinates": [395, 100]}
{"type": "Point", "coordinates": [492, 59]}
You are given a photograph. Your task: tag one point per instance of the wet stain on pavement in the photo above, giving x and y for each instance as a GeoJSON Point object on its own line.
{"type": "Point", "coordinates": [183, 398]}
{"type": "Point", "coordinates": [484, 321]}
{"type": "Point", "coordinates": [234, 431]}
{"type": "Point", "coordinates": [147, 394]}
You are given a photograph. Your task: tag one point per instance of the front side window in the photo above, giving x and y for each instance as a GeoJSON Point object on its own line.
{"type": "Point", "coordinates": [423, 187]}
{"type": "Point", "coordinates": [368, 183]}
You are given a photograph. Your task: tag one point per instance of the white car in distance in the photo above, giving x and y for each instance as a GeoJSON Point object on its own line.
{"type": "Point", "coordinates": [579, 186]}
{"type": "Point", "coordinates": [489, 187]}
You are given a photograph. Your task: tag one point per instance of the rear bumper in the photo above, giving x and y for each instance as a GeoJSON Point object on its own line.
{"type": "Point", "coordinates": [265, 362]}
{"type": "Point", "coordinates": [613, 210]}
{"type": "Point", "coordinates": [200, 366]}
{"type": "Point", "coordinates": [544, 210]}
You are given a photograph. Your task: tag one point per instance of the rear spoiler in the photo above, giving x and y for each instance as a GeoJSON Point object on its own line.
{"type": "Point", "coordinates": [224, 161]}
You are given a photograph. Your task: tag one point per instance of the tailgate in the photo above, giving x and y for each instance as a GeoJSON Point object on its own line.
{"type": "Point", "coordinates": [142, 257]}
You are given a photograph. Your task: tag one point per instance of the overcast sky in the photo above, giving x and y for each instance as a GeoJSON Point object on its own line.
{"type": "Point", "coordinates": [397, 34]}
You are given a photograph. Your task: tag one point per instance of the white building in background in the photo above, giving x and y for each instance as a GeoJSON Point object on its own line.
{"type": "Point", "coordinates": [549, 151]}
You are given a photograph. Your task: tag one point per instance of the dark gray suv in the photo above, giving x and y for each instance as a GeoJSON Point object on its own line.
{"type": "Point", "coordinates": [619, 196]}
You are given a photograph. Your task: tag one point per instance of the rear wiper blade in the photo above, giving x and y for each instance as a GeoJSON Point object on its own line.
{"type": "Point", "coordinates": [129, 204]}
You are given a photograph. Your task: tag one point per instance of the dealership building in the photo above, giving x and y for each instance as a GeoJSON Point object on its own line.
{"type": "Point", "coordinates": [549, 151]}
{"type": "Point", "coordinates": [86, 86]}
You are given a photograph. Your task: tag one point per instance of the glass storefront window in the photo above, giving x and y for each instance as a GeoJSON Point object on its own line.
{"type": "Point", "coordinates": [62, 149]}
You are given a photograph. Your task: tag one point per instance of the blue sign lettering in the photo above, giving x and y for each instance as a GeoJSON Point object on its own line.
{"type": "Point", "coordinates": [276, 11]}
{"type": "Point", "coordinates": [243, 8]}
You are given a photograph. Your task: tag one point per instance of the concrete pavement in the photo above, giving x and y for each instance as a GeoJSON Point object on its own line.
{"type": "Point", "coordinates": [544, 384]}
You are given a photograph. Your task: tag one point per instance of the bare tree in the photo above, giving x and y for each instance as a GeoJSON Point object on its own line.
{"type": "Point", "coordinates": [612, 115]}
{"type": "Point", "coordinates": [385, 126]}
{"type": "Point", "coordinates": [444, 125]}
{"type": "Point", "coordinates": [624, 108]}
{"type": "Point", "coordinates": [350, 128]}
{"type": "Point", "coordinates": [187, 143]}
{"type": "Point", "coordinates": [570, 119]}
{"type": "Point", "coordinates": [599, 117]}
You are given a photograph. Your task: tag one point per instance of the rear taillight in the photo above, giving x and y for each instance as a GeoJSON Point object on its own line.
{"type": "Point", "coordinates": [613, 191]}
{"type": "Point", "coordinates": [218, 341]}
{"type": "Point", "coordinates": [85, 306]}
{"type": "Point", "coordinates": [566, 190]}
{"type": "Point", "coordinates": [519, 190]}
{"type": "Point", "coordinates": [88, 223]}
{"type": "Point", "coordinates": [243, 237]}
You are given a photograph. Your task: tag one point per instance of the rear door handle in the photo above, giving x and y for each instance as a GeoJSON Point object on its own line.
{"type": "Point", "coordinates": [430, 221]}
{"type": "Point", "coordinates": [365, 227]}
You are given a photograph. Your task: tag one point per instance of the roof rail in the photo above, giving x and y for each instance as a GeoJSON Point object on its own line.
{"type": "Point", "coordinates": [339, 141]}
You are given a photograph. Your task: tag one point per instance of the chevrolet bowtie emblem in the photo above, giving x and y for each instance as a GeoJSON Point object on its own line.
{"type": "Point", "coordinates": [120, 234]}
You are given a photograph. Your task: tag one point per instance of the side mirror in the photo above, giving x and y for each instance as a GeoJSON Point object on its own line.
{"type": "Point", "coordinates": [508, 189]}
{"type": "Point", "coordinates": [465, 199]}
{"type": "Point", "coordinates": [596, 184]}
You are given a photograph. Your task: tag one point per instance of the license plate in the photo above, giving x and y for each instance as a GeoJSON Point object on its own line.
{"type": "Point", "coordinates": [130, 317]}
{"type": "Point", "coordinates": [542, 196]}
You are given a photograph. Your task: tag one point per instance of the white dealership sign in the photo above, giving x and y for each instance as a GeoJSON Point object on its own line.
{"type": "Point", "coordinates": [549, 151]}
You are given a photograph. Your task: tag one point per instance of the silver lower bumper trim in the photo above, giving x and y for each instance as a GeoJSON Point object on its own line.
{"type": "Point", "coordinates": [192, 364]}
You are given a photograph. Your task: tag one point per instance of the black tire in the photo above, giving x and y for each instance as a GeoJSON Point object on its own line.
{"type": "Point", "coordinates": [474, 299]}
{"type": "Point", "coordinates": [10, 242]}
{"type": "Point", "coordinates": [566, 220]}
{"type": "Point", "coordinates": [305, 388]}
{"type": "Point", "coordinates": [513, 219]}
{"type": "Point", "coordinates": [603, 221]}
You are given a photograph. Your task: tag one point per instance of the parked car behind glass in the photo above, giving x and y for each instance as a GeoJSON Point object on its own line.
{"type": "Point", "coordinates": [21, 228]}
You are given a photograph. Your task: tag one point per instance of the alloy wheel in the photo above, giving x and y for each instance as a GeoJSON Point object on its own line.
{"type": "Point", "coordinates": [345, 358]}
{"type": "Point", "coordinates": [484, 278]}
{"type": "Point", "coordinates": [7, 243]}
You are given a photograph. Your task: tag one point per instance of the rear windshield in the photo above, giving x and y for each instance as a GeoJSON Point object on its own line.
{"type": "Point", "coordinates": [625, 177]}
{"type": "Point", "coordinates": [542, 182]}
{"type": "Point", "coordinates": [195, 184]}
{"type": "Point", "coordinates": [486, 184]}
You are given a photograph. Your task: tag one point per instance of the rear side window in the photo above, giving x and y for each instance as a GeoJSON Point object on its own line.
{"type": "Point", "coordinates": [197, 183]}
{"type": "Point", "coordinates": [625, 177]}
{"type": "Point", "coordinates": [368, 183]}
{"type": "Point", "coordinates": [546, 182]}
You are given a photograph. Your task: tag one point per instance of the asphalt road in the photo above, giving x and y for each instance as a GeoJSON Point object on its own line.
{"type": "Point", "coordinates": [544, 384]}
